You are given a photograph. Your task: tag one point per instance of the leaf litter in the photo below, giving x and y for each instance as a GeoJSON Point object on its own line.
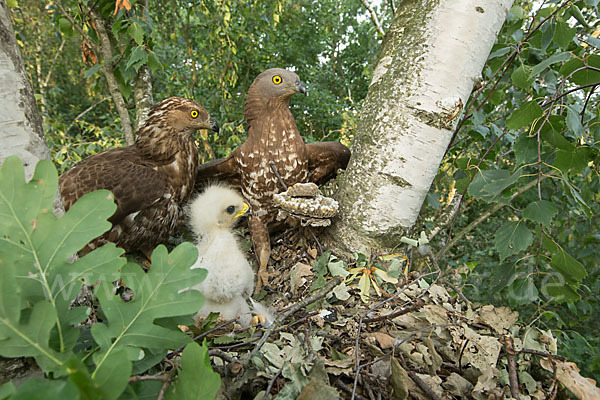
{"type": "Point", "coordinates": [409, 337]}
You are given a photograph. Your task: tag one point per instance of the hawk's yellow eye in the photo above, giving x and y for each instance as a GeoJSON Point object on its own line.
{"type": "Point", "coordinates": [277, 79]}
{"type": "Point", "coordinates": [194, 114]}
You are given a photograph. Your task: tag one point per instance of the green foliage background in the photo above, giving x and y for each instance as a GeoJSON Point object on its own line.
{"type": "Point", "coordinates": [526, 148]}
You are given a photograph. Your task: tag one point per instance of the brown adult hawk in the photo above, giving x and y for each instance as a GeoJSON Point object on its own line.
{"type": "Point", "coordinates": [273, 147]}
{"type": "Point", "coordinates": [150, 180]}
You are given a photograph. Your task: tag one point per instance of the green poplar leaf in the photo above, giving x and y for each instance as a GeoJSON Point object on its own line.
{"type": "Point", "coordinates": [512, 238]}
{"type": "Point", "coordinates": [563, 34]}
{"type": "Point", "coordinates": [574, 122]}
{"type": "Point", "coordinates": [549, 244]}
{"type": "Point", "coordinates": [320, 266]}
{"type": "Point", "coordinates": [338, 268]}
{"type": "Point", "coordinates": [571, 269]}
{"type": "Point", "coordinates": [137, 58]}
{"type": "Point", "coordinates": [522, 77]}
{"type": "Point", "coordinates": [80, 377]}
{"type": "Point", "coordinates": [561, 292]}
{"type": "Point", "coordinates": [576, 13]}
{"type": "Point", "coordinates": [65, 26]}
{"type": "Point", "coordinates": [524, 291]}
{"type": "Point", "coordinates": [524, 115]}
{"type": "Point", "coordinates": [540, 211]}
{"type": "Point", "coordinates": [196, 380]}
{"type": "Point", "coordinates": [136, 32]}
{"type": "Point", "coordinates": [552, 132]}
{"type": "Point", "coordinates": [153, 62]}
{"type": "Point", "coordinates": [489, 184]}
{"type": "Point", "coordinates": [526, 149]}
{"type": "Point", "coordinates": [91, 71]}
{"type": "Point", "coordinates": [567, 160]}
{"type": "Point", "coordinates": [564, 56]}
{"type": "Point", "coordinates": [499, 53]}
{"type": "Point", "coordinates": [584, 76]}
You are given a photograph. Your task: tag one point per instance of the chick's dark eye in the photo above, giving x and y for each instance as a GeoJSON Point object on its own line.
{"type": "Point", "coordinates": [230, 209]}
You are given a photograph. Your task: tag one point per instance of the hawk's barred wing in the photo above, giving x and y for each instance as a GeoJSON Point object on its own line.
{"type": "Point", "coordinates": [324, 160]}
{"type": "Point", "coordinates": [219, 170]}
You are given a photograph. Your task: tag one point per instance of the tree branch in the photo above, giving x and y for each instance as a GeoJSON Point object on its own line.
{"type": "Point", "coordinates": [109, 74]}
{"type": "Point", "coordinates": [373, 17]}
{"type": "Point", "coordinates": [105, 49]}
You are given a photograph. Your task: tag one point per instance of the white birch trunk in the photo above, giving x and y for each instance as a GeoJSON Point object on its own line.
{"type": "Point", "coordinates": [432, 55]}
{"type": "Point", "coordinates": [142, 93]}
{"type": "Point", "coordinates": [20, 123]}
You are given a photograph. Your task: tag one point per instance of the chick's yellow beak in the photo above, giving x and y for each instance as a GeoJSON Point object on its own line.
{"type": "Point", "coordinates": [243, 211]}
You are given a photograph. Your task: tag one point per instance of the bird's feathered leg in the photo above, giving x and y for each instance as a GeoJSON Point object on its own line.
{"type": "Point", "coordinates": [261, 241]}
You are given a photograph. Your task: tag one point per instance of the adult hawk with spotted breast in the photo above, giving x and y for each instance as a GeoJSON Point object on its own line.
{"type": "Point", "coordinates": [273, 147]}
{"type": "Point", "coordinates": [150, 180]}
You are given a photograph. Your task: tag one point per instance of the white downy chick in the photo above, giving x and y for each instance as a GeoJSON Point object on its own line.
{"type": "Point", "coordinates": [230, 280]}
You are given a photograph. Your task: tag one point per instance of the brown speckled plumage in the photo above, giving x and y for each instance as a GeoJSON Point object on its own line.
{"type": "Point", "coordinates": [273, 137]}
{"type": "Point", "coordinates": [150, 179]}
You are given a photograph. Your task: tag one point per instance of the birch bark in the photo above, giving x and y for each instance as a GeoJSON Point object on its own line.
{"type": "Point", "coordinates": [21, 131]}
{"type": "Point", "coordinates": [431, 57]}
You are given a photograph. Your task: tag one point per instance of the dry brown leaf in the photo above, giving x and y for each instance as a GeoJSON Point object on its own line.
{"type": "Point", "coordinates": [568, 375]}
{"type": "Point", "coordinates": [297, 274]}
{"type": "Point", "coordinates": [87, 53]}
{"type": "Point", "coordinates": [384, 340]}
{"type": "Point", "coordinates": [457, 385]}
{"type": "Point", "coordinates": [119, 4]}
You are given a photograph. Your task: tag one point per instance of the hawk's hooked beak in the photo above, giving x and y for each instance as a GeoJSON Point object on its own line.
{"type": "Point", "coordinates": [299, 88]}
{"type": "Point", "coordinates": [242, 212]}
{"type": "Point", "coordinates": [213, 125]}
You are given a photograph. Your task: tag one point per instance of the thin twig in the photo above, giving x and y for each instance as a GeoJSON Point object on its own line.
{"type": "Point", "coordinates": [87, 110]}
{"type": "Point", "coordinates": [587, 99]}
{"type": "Point", "coordinates": [542, 354]}
{"type": "Point", "coordinates": [272, 381]}
{"type": "Point", "coordinates": [373, 17]}
{"type": "Point", "coordinates": [295, 307]}
{"type": "Point", "coordinates": [348, 389]}
{"type": "Point", "coordinates": [221, 354]}
{"type": "Point", "coordinates": [418, 304]}
{"type": "Point", "coordinates": [513, 380]}
{"type": "Point", "coordinates": [163, 390]}
{"type": "Point", "coordinates": [316, 240]}
{"type": "Point", "coordinates": [422, 385]}
{"type": "Point", "coordinates": [200, 336]}
{"type": "Point", "coordinates": [51, 68]}
{"type": "Point", "coordinates": [143, 378]}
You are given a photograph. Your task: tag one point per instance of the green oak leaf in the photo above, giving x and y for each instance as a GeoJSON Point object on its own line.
{"type": "Point", "coordinates": [35, 250]}
{"type": "Point", "coordinates": [159, 293]}
{"type": "Point", "coordinates": [196, 380]}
